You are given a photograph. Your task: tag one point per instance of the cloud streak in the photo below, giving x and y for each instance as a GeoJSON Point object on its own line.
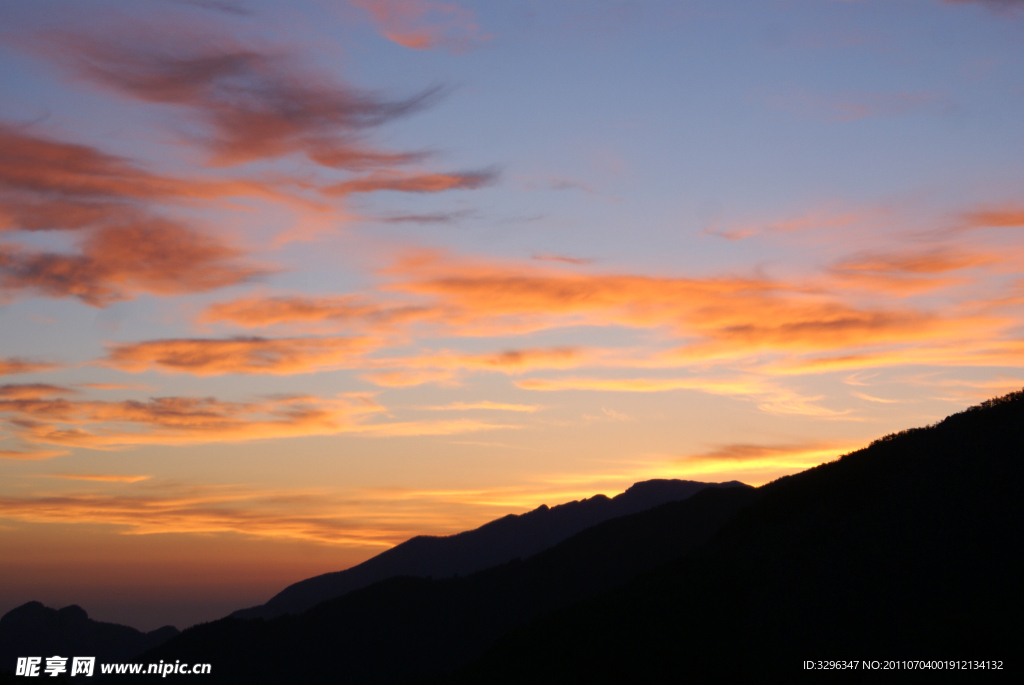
{"type": "Point", "coordinates": [414, 183]}
{"type": "Point", "coordinates": [12, 365]}
{"type": "Point", "coordinates": [261, 312]}
{"type": "Point", "coordinates": [727, 316]}
{"type": "Point", "coordinates": [48, 184]}
{"type": "Point", "coordinates": [116, 262]}
{"type": "Point", "coordinates": [210, 357]}
{"type": "Point", "coordinates": [92, 424]}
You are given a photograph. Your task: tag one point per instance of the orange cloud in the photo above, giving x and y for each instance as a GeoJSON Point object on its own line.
{"type": "Point", "coordinates": [189, 420]}
{"type": "Point", "coordinates": [758, 463]}
{"type": "Point", "coordinates": [727, 316]}
{"type": "Point", "coordinates": [544, 257]}
{"type": "Point", "coordinates": [152, 255]}
{"type": "Point", "coordinates": [257, 312]}
{"type": "Point", "coordinates": [495, 406]}
{"type": "Point", "coordinates": [31, 455]}
{"type": "Point", "coordinates": [47, 184]}
{"type": "Point", "coordinates": [1011, 216]}
{"type": "Point", "coordinates": [968, 348]}
{"type": "Point", "coordinates": [413, 183]}
{"type": "Point", "coordinates": [424, 24]}
{"type": "Point", "coordinates": [911, 271]}
{"type": "Point", "coordinates": [934, 261]}
{"type": "Point", "coordinates": [97, 477]}
{"type": "Point", "coordinates": [33, 391]}
{"type": "Point", "coordinates": [12, 365]}
{"type": "Point", "coordinates": [206, 357]}
{"type": "Point", "coordinates": [804, 453]}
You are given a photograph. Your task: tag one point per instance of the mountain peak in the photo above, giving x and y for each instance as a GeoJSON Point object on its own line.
{"type": "Point", "coordinates": [509, 537]}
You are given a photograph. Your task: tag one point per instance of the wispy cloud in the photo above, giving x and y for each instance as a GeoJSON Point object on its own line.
{"type": "Point", "coordinates": [424, 24]}
{"type": "Point", "coordinates": [211, 357]}
{"type": "Point", "coordinates": [414, 183]}
{"type": "Point", "coordinates": [797, 455]}
{"type": "Point", "coordinates": [425, 218]}
{"type": "Point", "coordinates": [31, 455]}
{"type": "Point", "coordinates": [48, 184]}
{"type": "Point", "coordinates": [96, 477]}
{"type": "Point", "coordinates": [95, 424]}
{"type": "Point", "coordinates": [119, 261]}
{"type": "Point", "coordinates": [565, 259]}
{"type": "Point", "coordinates": [262, 311]}
{"type": "Point", "coordinates": [12, 365]}
{"type": "Point", "coordinates": [727, 316]}
{"type": "Point", "coordinates": [486, 405]}
{"type": "Point", "coordinates": [1007, 216]}
{"type": "Point", "coordinates": [911, 271]}
{"type": "Point", "coordinates": [34, 390]}
{"type": "Point", "coordinates": [234, 8]}
{"type": "Point", "coordinates": [248, 104]}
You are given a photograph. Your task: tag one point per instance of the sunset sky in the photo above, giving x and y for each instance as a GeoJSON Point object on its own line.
{"type": "Point", "coordinates": [285, 284]}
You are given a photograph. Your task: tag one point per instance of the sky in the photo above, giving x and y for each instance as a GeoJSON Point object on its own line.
{"type": "Point", "coordinates": [285, 284]}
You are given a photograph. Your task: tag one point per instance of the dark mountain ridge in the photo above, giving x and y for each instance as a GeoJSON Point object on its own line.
{"type": "Point", "coordinates": [405, 628]}
{"type": "Point", "coordinates": [910, 549]}
{"type": "Point", "coordinates": [35, 630]}
{"type": "Point", "coordinates": [511, 537]}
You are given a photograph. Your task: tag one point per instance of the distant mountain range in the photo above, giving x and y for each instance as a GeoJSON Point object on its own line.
{"type": "Point", "coordinates": [906, 552]}
{"type": "Point", "coordinates": [511, 537]}
{"type": "Point", "coordinates": [35, 630]}
{"type": "Point", "coordinates": [405, 628]}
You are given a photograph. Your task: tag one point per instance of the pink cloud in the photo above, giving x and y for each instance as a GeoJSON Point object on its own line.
{"type": "Point", "coordinates": [424, 24]}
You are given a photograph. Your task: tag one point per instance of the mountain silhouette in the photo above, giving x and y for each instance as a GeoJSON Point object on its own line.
{"type": "Point", "coordinates": [907, 550]}
{"type": "Point", "coordinates": [511, 537]}
{"type": "Point", "coordinates": [910, 549]}
{"type": "Point", "coordinates": [35, 630]}
{"type": "Point", "coordinates": [405, 628]}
